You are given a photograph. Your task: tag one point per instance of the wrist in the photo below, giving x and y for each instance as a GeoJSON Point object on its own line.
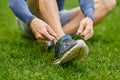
{"type": "Point", "coordinates": [33, 21]}
{"type": "Point", "coordinates": [90, 20]}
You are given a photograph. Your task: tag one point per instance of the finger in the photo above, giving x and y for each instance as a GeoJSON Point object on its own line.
{"type": "Point", "coordinates": [81, 28]}
{"type": "Point", "coordinates": [86, 31]}
{"type": "Point", "coordinates": [48, 36]}
{"type": "Point", "coordinates": [50, 31]}
{"type": "Point", "coordinates": [39, 36]}
{"type": "Point", "coordinates": [88, 36]}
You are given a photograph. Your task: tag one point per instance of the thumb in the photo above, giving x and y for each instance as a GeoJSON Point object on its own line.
{"type": "Point", "coordinates": [81, 28]}
{"type": "Point", "coordinates": [51, 31]}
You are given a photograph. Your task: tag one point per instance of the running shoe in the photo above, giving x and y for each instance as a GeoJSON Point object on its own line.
{"type": "Point", "coordinates": [68, 50]}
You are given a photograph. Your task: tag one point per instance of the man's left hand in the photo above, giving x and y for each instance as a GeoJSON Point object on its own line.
{"type": "Point", "coordinates": [85, 29]}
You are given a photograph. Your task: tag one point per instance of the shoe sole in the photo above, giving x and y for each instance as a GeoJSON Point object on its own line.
{"type": "Point", "coordinates": [79, 51]}
{"type": "Point", "coordinates": [83, 52]}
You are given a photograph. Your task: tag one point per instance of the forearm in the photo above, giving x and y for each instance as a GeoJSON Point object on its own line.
{"type": "Point", "coordinates": [87, 7]}
{"type": "Point", "coordinates": [21, 10]}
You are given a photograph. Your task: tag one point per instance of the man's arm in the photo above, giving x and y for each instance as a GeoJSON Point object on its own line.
{"type": "Point", "coordinates": [40, 29]}
{"type": "Point", "coordinates": [87, 7]}
{"type": "Point", "coordinates": [21, 10]}
{"type": "Point", "coordinates": [85, 29]}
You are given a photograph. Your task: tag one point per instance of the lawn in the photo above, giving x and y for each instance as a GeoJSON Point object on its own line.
{"type": "Point", "coordinates": [23, 59]}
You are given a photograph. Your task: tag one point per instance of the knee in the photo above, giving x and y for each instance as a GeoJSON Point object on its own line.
{"type": "Point", "coordinates": [110, 4]}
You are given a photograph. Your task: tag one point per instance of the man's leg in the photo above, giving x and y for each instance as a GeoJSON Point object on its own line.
{"type": "Point", "coordinates": [66, 48]}
{"type": "Point", "coordinates": [102, 9]}
{"type": "Point", "coordinates": [49, 12]}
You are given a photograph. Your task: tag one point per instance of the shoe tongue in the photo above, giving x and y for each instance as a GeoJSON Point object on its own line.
{"type": "Point", "coordinates": [64, 38]}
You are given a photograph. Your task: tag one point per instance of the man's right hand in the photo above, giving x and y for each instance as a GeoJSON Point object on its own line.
{"type": "Point", "coordinates": [42, 30]}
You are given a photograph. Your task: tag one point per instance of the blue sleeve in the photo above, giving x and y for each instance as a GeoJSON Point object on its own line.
{"type": "Point", "coordinates": [21, 10]}
{"type": "Point", "coordinates": [87, 7]}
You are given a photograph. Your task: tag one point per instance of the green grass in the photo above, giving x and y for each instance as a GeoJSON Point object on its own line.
{"type": "Point", "coordinates": [23, 59]}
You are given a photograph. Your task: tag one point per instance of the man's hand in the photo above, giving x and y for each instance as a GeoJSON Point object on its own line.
{"type": "Point", "coordinates": [85, 30]}
{"type": "Point", "coordinates": [42, 30]}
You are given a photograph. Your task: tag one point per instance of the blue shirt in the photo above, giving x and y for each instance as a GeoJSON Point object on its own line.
{"type": "Point", "coordinates": [21, 10]}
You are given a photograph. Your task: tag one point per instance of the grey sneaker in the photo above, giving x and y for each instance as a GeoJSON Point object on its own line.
{"type": "Point", "coordinates": [67, 50]}
{"type": "Point", "coordinates": [83, 50]}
